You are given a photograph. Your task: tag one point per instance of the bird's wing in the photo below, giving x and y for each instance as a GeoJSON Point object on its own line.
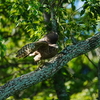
{"type": "Point", "coordinates": [29, 48]}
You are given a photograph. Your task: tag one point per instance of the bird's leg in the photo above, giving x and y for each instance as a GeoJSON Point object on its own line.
{"type": "Point", "coordinates": [37, 56]}
{"type": "Point", "coordinates": [32, 54]}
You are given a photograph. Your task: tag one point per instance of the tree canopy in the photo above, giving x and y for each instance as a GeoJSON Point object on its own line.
{"type": "Point", "coordinates": [25, 21]}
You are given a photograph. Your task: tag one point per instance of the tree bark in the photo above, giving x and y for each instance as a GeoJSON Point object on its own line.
{"type": "Point", "coordinates": [50, 68]}
{"type": "Point", "coordinates": [59, 85]}
{"type": "Point", "coordinates": [99, 80]}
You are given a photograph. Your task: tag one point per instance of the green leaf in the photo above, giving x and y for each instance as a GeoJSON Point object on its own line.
{"type": "Point", "coordinates": [73, 6]}
{"type": "Point", "coordinates": [86, 5]}
{"type": "Point", "coordinates": [82, 12]}
{"type": "Point", "coordinates": [90, 14]}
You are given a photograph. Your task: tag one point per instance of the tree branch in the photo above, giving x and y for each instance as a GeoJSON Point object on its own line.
{"type": "Point", "coordinates": [98, 80]}
{"type": "Point", "coordinates": [60, 86]}
{"type": "Point", "coordinates": [50, 68]}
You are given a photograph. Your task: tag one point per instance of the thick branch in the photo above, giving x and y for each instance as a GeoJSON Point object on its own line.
{"type": "Point", "coordinates": [54, 23]}
{"type": "Point", "coordinates": [99, 80]}
{"type": "Point", "coordinates": [49, 69]}
{"type": "Point", "coordinates": [59, 85]}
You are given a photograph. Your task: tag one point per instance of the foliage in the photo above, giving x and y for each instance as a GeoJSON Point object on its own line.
{"type": "Point", "coordinates": [22, 22]}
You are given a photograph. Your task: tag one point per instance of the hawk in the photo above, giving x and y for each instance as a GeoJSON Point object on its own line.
{"type": "Point", "coordinates": [43, 49]}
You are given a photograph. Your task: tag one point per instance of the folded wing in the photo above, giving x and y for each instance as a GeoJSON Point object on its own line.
{"type": "Point", "coordinates": [30, 48]}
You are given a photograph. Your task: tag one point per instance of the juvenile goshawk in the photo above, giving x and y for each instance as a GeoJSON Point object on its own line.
{"type": "Point", "coordinates": [43, 49]}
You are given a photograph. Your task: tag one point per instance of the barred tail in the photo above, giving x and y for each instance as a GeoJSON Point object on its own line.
{"type": "Point", "coordinates": [25, 50]}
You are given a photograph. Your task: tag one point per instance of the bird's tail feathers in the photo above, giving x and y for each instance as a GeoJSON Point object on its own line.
{"type": "Point", "coordinates": [25, 50]}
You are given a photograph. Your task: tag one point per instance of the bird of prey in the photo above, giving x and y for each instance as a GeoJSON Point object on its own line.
{"type": "Point", "coordinates": [43, 49]}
